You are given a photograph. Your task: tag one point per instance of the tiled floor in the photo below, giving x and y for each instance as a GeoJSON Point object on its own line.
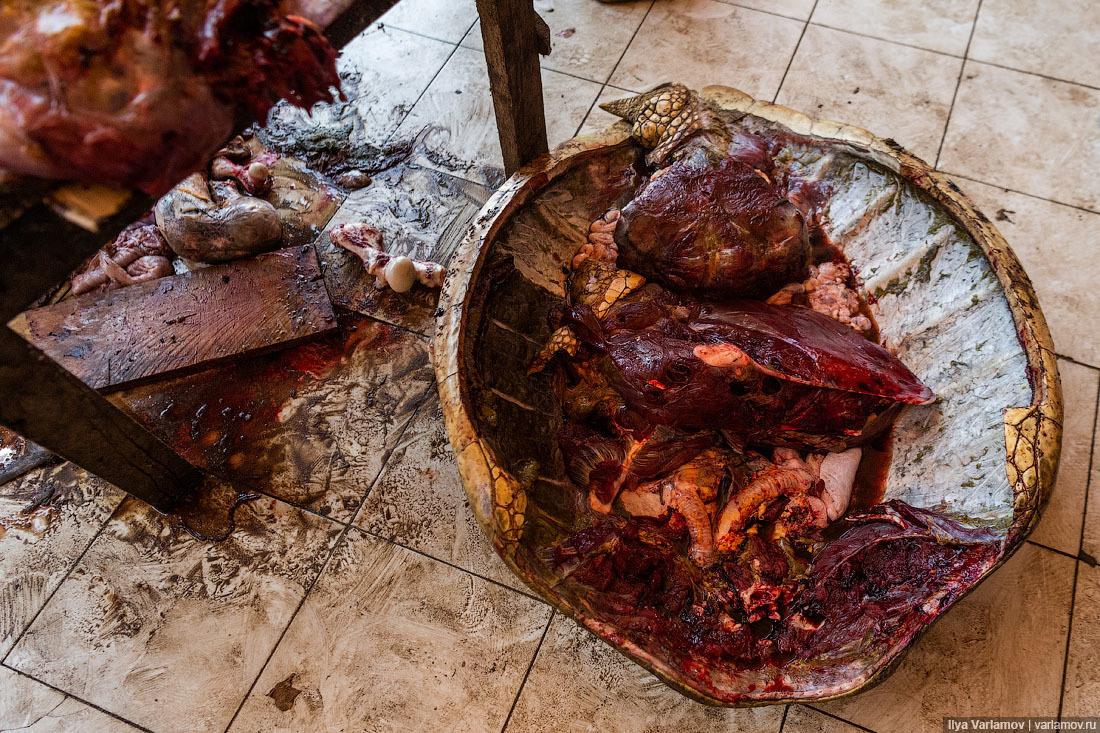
{"type": "Point", "coordinates": [386, 610]}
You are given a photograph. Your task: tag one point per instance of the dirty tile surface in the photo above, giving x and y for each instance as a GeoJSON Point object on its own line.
{"type": "Point", "coordinates": [392, 640]}
{"type": "Point", "coordinates": [167, 630]}
{"type": "Point", "coordinates": [609, 693]}
{"type": "Point", "coordinates": [1043, 38]}
{"type": "Point", "coordinates": [174, 633]}
{"type": "Point", "coordinates": [597, 118]}
{"type": "Point", "coordinates": [317, 420]}
{"type": "Point", "coordinates": [587, 38]}
{"type": "Point", "coordinates": [454, 125]}
{"type": "Point", "coordinates": [47, 519]}
{"type": "Point", "coordinates": [447, 20]}
{"type": "Point", "coordinates": [937, 25]}
{"type": "Point", "coordinates": [419, 502]}
{"type": "Point", "coordinates": [421, 213]}
{"type": "Point", "coordinates": [797, 9]}
{"type": "Point", "coordinates": [803, 719]}
{"type": "Point", "coordinates": [383, 72]}
{"type": "Point", "coordinates": [701, 42]}
{"type": "Point", "coordinates": [31, 707]}
{"type": "Point", "coordinates": [1082, 688]}
{"type": "Point", "coordinates": [1090, 541]}
{"type": "Point", "coordinates": [1027, 133]}
{"type": "Point", "coordinates": [899, 92]}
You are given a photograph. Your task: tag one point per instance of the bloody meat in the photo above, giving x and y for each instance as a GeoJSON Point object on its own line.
{"type": "Point", "coordinates": [141, 92]}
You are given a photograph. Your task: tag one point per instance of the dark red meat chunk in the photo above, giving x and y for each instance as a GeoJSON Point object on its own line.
{"type": "Point", "coordinates": [724, 231]}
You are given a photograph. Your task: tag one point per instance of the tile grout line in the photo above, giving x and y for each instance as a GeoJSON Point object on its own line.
{"type": "Point", "coordinates": [248, 693]}
{"type": "Point", "coordinates": [1071, 360]}
{"type": "Point", "coordinates": [543, 67]}
{"type": "Point", "coordinates": [385, 460]}
{"type": "Point", "coordinates": [888, 40]}
{"type": "Point", "coordinates": [345, 528]}
{"type": "Point", "coordinates": [818, 24]}
{"type": "Point", "coordinates": [790, 61]}
{"type": "Point", "coordinates": [1048, 77]}
{"type": "Point", "coordinates": [607, 84]}
{"type": "Point", "coordinates": [386, 26]}
{"type": "Point", "coordinates": [1088, 476]}
{"type": "Point", "coordinates": [1077, 565]}
{"type": "Point", "coordinates": [761, 10]}
{"type": "Point", "coordinates": [328, 560]}
{"type": "Point", "coordinates": [448, 563]}
{"type": "Point", "coordinates": [842, 720]}
{"type": "Point", "coordinates": [78, 699]}
{"type": "Point", "coordinates": [958, 85]}
{"type": "Point", "coordinates": [563, 73]}
{"type": "Point", "coordinates": [425, 398]}
{"type": "Point", "coordinates": [523, 682]}
{"type": "Point", "coordinates": [1022, 193]}
{"type": "Point", "coordinates": [1055, 550]}
{"type": "Point", "coordinates": [1069, 636]}
{"type": "Point", "coordinates": [454, 49]}
{"type": "Point", "coordinates": [64, 579]}
{"type": "Point", "coordinates": [607, 81]}
{"type": "Point", "coordinates": [920, 48]}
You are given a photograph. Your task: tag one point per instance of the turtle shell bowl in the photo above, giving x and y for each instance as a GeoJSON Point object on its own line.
{"type": "Point", "coordinates": [949, 298]}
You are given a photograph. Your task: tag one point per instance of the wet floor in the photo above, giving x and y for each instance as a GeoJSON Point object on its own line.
{"type": "Point", "coordinates": [356, 593]}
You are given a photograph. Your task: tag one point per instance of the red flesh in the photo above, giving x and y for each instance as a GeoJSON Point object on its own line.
{"type": "Point", "coordinates": [141, 92]}
{"type": "Point", "coordinates": [816, 383]}
{"type": "Point", "coordinates": [718, 231]}
{"type": "Point", "coordinates": [888, 574]}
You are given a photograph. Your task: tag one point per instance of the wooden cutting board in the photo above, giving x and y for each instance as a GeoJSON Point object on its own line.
{"type": "Point", "coordinates": [185, 322]}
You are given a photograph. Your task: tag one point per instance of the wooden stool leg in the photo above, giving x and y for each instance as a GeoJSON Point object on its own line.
{"type": "Point", "coordinates": [48, 405]}
{"type": "Point", "coordinates": [44, 403]}
{"type": "Point", "coordinates": [512, 34]}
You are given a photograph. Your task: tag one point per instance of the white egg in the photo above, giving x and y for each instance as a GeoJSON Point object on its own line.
{"type": "Point", "coordinates": [401, 274]}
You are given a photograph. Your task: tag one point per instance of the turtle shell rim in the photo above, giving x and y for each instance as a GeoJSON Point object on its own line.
{"type": "Point", "coordinates": [1033, 432]}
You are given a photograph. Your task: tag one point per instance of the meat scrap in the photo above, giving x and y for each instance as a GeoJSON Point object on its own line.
{"type": "Point", "coordinates": [786, 476]}
{"type": "Point", "coordinates": [691, 491]}
{"type": "Point", "coordinates": [605, 465]}
{"type": "Point", "coordinates": [397, 273]}
{"type": "Point", "coordinates": [139, 93]}
{"type": "Point", "coordinates": [826, 290]}
{"type": "Point", "coordinates": [814, 491]}
{"type": "Point", "coordinates": [236, 162]}
{"type": "Point", "coordinates": [138, 254]}
{"type": "Point", "coordinates": [211, 221]}
{"type": "Point", "coordinates": [722, 231]}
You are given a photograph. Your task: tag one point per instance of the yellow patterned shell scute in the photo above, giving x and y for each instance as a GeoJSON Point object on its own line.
{"type": "Point", "coordinates": [660, 118]}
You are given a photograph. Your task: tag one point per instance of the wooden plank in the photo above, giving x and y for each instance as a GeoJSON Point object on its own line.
{"type": "Point", "coordinates": [355, 19]}
{"type": "Point", "coordinates": [44, 403]}
{"type": "Point", "coordinates": [512, 42]}
{"type": "Point", "coordinates": [185, 322]}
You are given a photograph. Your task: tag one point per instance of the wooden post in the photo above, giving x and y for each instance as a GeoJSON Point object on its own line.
{"type": "Point", "coordinates": [513, 36]}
